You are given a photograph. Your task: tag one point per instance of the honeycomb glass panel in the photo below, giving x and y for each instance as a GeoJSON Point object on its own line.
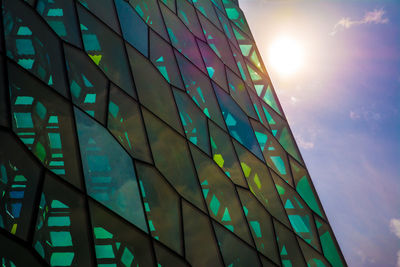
{"type": "Point", "coordinates": [234, 251]}
{"type": "Point", "coordinates": [220, 195]}
{"type": "Point", "coordinates": [166, 258]}
{"type": "Point", "coordinates": [312, 257]}
{"type": "Point", "coordinates": [109, 173]}
{"type": "Point", "coordinates": [104, 10]}
{"type": "Point", "coordinates": [87, 83]}
{"type": "Point", "coordinates": [162, 56]}
{"type": "Point", "coordinates": [260, 223]}
{"type": "Point", "coordinates": [106, 49]}
{"type": "Point", "coordinates": [126, 124]}
{"type": "Point", "coordinates": [154, 93]}
{"type": "Point", "coordinates": [43, 121]}
{"type": "Point", "coordinates": [19, 178]}
{"type": "Point", "coordinates": [172, 158]}
{"type": "Point", "coordinates": [137, 36]}
{"type": "Point", "coordinates": [33, 45]}
{"type": "Point", "coordinates": [61, 228]}
{"type": "Point", "coordinates": [113, 246]}
{"type": "Point", "coordinates": [61, 17]}
{"type": "Point", "coordinates": [200, 245]}
{"type": "Point", "coordinates": [193, 120]}
{"type": "Point", "coordinates": [162, 207]}
{"type": "Point", "coordinates": [188, 16]}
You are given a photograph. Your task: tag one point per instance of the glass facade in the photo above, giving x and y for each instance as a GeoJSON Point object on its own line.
{"type": "Point", "coordinates": [147, 133]}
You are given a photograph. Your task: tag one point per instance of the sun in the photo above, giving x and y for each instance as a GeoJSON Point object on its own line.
{"type": "Point", "coordinates": [286, 56]}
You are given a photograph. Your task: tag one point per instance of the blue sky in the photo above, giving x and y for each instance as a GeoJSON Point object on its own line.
{"type": "Point", "coordinates": [344, 110]}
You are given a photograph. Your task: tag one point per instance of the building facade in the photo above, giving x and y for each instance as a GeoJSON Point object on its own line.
{"type": "Point", "coordinates": [147, 133]}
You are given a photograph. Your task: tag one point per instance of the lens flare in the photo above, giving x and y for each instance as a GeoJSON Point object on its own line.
{"type": "Point", "coordinates": [286, 55]}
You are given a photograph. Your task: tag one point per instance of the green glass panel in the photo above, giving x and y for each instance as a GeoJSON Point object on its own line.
{"type": "Point", "coordinates": [11, 251]}
{"type": "Point", "coordinates": [200, 245]}
{"type": "Point", "coordinates": [312, 257]}
{"type": "Point", "coordinates": [170, 4]}
{"type": "Point", "coordinates": [104, 10]}
{"type": "Point", "coordinates": [188, 16]}
{"type": "Point", "coordinates": [241, 64]}
{"type": "Point", "coordinates": [35, 124]}
{"type": "Point", "coordinates": [259, 109]}
{"type": "Point", "coordinates": [61, 245]}
{"type": "Point", "coordinates": [226, 26]}
{"type": "Point", "coordinates": [32, 45]}
{"type": "Point", "coordinates": [166, 258]}
{"type": "Point", "coordinates": [162, 207]}
{"type": "Point", "coordinates": [260, 225]}
{"type": "Point", "coordinates": [234, 251]}
{"type": "Point", "coordinates": [172, 158]}
{"type": "Point", "coordinates": [154, 93]}
{"type": "Point", "coordinates": [236, 15]}
{"type": "Point", "coordinates": [206, 8]}
{"type": "Point", "coordinates": [109, 173]}
{"type": "Point", "coordinates": [193, 120]}
{"type": "Point", "coordinates": [106, 49]}
{"type": "Point", "coordinates": [87, 83]}
{"type": "Point", "coordinates": [126, 124]}
{"type": "Point", "coordinates": [220, 195]}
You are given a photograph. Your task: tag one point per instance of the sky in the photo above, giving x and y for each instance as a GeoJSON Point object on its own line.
{"type": "Point", "coordinates": [343, 106]}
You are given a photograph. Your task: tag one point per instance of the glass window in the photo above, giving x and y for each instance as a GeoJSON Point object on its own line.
{"type": "Point", "coordinates": [207, 9]}
{"type": "Point", "coordinates": [226, 26]}
{"type": "Point", "coordinates": [312, 257]}
{"type": "Point", "coordinates": [104, 10]}
{"type": "Point", "coordinates": [236, 15]}
{"type": "Point", "coordinates": [167, 258]}
{"type": "Point", "coordinates": [188, 16]}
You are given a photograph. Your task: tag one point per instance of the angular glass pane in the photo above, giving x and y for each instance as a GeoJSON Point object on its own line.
{"type": "Point", "coordinates": [259, 109]}
{"type": "Point", "coordinates": [227, 28]}
{"type": "Point", "coordinates": [89, 87]}
{"type": "Point", "coordinates": [200, 245]}
{"type": "Point", "coordinates": [162, 207]}
{"type": "Point", "coordinates": [150, 13]}
{"type": "Point", "coordinates": [215, 67]}
{"type": "Point", "coordinates": [224, 155]}
{"type": "Point", "coordinates": [220, 195]}
{"type": "Point", "coordinates": [106, 49]}
{"type": "Point", "coordinates": [162, 56]}
{"type": "Point", "coordinates": [4, 92]}
{"type": "Point", "coordinates": [312, 257]}
{"type": "Point", "coordinates": [234, 251]}
{"type": "Point", "coordinates": [181, 38]}
{"type": "Point", "coordinates": [137, 36]}
{"type": "Point", "coordinates": [236, 15]}
{"type": "Point", "coordinates": [113, 246]}
{"type": "Point", "coordinates": [61, 17]}
{"type": "Point", "coordinates": [241, 64]}
{"type": "Point", "coordinates": [19, 178]}
{"type": "Point", "coordinates": [261, 183]}
{"type": "Point", "coordinates": [153, 91]}
{"type": "Point", "coordinates": [126, 124]}
{"type": "Point", "coordinates": [238, 123]}
{"type": "Point", "coordinates": [305, 187]}
{"type": "Point", "coordinates": [166, 258]}
{"type": "Point", "coordinates": [288, 247]}
{"type": "Point", "coordinates": [109, 174]}
{"type": "Point", "coordinates": [299, 215]}
{"type": "Point", "coordinates": [44, 123]}
{"type": "Point", "coordinates": [275, 155]}
{"type": "Point", "coordinates": [207, 9]}
{"type": "Point", "coordinates": [266, 262]}
{"type": "Point", "coordinates": [31, 44]}
{"type": "Point", "coordinates": [193, 120]}
{"type": "Point", "coordinates": [187, 14]}
{"type": "Point", "coordinates": [61, 228]}
{"type": "Point", "coordinates": [172, 158]}
{"type": "Point", "coordinates": [198, 86]}
{"type": "Point", "coordinates": [260, 223]}
{"type": "Point", "coordinates": [104, 10]}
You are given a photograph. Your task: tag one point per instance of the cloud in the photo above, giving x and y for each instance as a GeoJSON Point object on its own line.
{"type": "Point", "coordinates": [363, 113]}
{"type": "Point", "coordinates": [395, 229]}
{"type": "Point", "coordinates": [377, 16]}
{"type": "Point", "coordinates": [304, 144]}
{"type": "Point", "coordinates": [354, 115]}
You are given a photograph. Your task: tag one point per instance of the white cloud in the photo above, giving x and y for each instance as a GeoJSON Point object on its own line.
{"type": "Point", "coordinates": [354, 115]}
{"type": "Point", "coordinates": [377, 16]}
{"type": "Point", "coordinates": [304, 144]}
{"type": "Point", "coordinates": [395, 227]}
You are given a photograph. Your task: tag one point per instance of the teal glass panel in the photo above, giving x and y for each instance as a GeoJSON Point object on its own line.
{"type": "Point", "coordinates": [312, 257]}
{"type": "Point", "coordinates": [19, 178]}
{"type": "Point", "coordinates": [31, 44]}
{"type": "Point", "coordinates": [220, 195]}
{"type": "Point", "coordinates": [261, 183]}
{"type": "Point", "coordinates": [104, 10]}
{"type": "Point", "coordinates": [238, 123]}
{"type": "Point", "coordinates": [170, 4]}
{"type": "Point", "coordinates": [137, 36]}
{"type": "Point", "coordinates": [172, 158]}
{"type": "Point", "coordinates": [155, 93]}
{"type": "Point", "coordinates": [226, 26]}
{"type": "Point", "coordinates": [241, 64]}
{"type": "Point", "coordinates": [67, 244]}
{"type": "Point", "coordinates": [44, 123]}
{"type": "Point", "coordinates": [162, 56]}
{"type": "Point", "coordinates": [198, 86]}
{"type": "Point", "coordinates": [260, 223]}
{"type": "Point", "coordinates": [126, 124]}
{"type": "Point", "coordinates": [113, 246]}
{"type": "Point", "coordinates": [162, 207]}
{"type": "Point", "coordinates": [193, 120]}
{"type": "Point", "coordinates": [200, 245]}
{"type": "Point", "coordinates": [106, 49]}
{"type": "Point", "coordinates": [234, 251]}
{"type": "Point", "coordinates": [187, 14]}
{"type": "Point", "coordinates": [224, 155]}
{"type": "Point", "coordinates": [259, 109]}
{"type": "Point", "coordinates": [87, 83]}
{"type": "Point", "coordinates": [61, 17]}
{"type": "Point", "coordinates": [289, 250]}
{"type": "Point", "coordinates": [181, 38]}
{"type": "Point", "coordinates": [109, 173]}
{"type": "Point", "coordinates": [236, 15]}
{"type": "Point", "coordinates": [166, 258]}
{"type": "Point", "coordinates": [206, 8]}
